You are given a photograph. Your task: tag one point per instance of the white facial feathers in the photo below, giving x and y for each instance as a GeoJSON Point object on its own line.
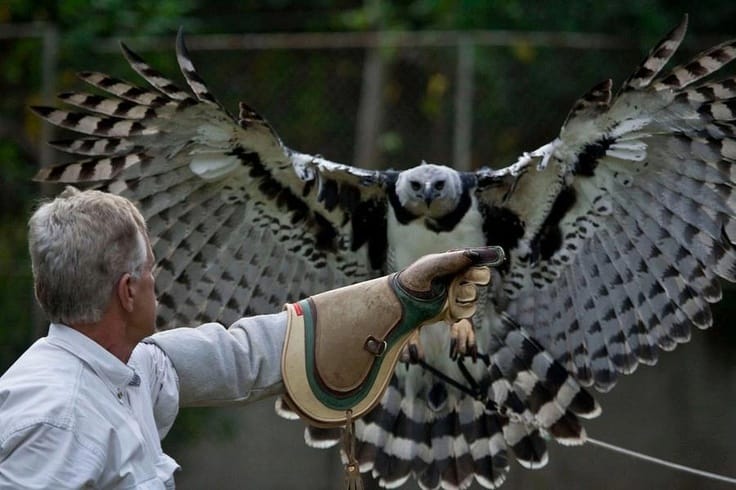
{"type": "Point", "coordinates": [429, 190]}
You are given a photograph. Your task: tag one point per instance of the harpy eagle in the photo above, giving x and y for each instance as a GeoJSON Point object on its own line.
{"type": "Point", "coordinates": [616, 232]}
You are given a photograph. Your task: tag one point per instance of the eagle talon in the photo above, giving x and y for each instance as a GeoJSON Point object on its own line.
{"type": "Point", "coordinates": [462, 340]}
{"type": "Point", "coordinates": [412, 352]}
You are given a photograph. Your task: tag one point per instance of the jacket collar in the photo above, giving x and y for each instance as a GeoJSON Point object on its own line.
{"type": "Point", "coordinates": [114, 372]}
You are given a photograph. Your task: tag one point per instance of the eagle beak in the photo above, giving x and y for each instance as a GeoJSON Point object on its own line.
{"type": "Point", "coordinates": [428, 194]}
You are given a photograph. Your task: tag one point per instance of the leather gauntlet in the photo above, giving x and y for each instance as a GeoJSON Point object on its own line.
{"type": "Point", "coordinates": [343, 345]}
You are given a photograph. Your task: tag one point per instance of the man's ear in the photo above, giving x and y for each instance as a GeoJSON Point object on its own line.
{"type": "Point", "coordinates": [126, 292]}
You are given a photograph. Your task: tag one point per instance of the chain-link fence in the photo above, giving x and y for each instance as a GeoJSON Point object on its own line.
{"type": "Point", "coordinates": [456, 98]}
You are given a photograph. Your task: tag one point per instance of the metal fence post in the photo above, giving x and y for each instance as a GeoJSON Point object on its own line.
{"type": "Point", "coordinates": [369, 110]}
{"type": "Point", "coordinates": [463, 128]}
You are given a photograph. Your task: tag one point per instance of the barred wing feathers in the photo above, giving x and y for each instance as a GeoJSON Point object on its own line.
{"type": "Point", "coordinates": [617, 233]}
{"type": "Point", "coordinates": [239, 223]}
{"type": "Point", "coordinates": [621, 228]}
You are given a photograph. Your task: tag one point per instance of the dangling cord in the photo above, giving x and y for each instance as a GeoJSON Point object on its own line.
{"type": "Point", "coordinates": [353, 480]}
{"type": "Point", "coordinates": [474, 392]}
{"type": "Point", "coordinates": [662, 462]}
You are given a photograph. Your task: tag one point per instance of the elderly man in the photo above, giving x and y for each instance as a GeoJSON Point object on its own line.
{"type": "Point", "coordinates": [87, 405]}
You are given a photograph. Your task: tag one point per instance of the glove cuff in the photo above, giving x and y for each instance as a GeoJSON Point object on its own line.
{"type": "Point", "coordinates": [342, 346]}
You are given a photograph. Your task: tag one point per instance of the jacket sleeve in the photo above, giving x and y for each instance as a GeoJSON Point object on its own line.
{"type": "Point", "coordinates": [218, 366]}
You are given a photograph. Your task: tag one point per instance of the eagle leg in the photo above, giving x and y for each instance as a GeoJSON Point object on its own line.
{"type": "Point", "coordinates": [412, 352]}
{"type": "Point", "coordinates": [462, 340]}
{"type": "Point", "coordinates": [462, 344]}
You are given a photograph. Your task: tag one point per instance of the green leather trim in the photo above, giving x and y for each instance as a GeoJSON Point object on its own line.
{"type": "Point", "coordinates": [415, 311]}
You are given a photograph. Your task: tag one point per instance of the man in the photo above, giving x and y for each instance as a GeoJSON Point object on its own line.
{"type": "Point", "coordinates": [87, 405]}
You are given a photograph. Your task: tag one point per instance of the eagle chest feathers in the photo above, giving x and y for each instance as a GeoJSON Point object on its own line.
{"type": "Point", "coordinates": [409, 241]}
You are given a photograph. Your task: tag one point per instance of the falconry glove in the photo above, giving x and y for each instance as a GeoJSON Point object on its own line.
{"type": "Point", "coordinates": [342, 346]}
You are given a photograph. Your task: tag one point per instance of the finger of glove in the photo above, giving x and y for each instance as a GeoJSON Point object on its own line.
{"type": "Point", "coordinates": [419, 275]}
{"type": "Point", "coordinates": [458, 311]}
{"type": "Point", "coordinates": [463, 292]}
{"type": "Point", "coordinates": [489, 256]}
{"type": "Point", "coordinates": [454, 261]}
{"type": "Point", "coordinates": [480, 275]}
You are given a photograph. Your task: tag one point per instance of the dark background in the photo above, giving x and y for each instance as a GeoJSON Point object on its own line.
{"type": "Point", "coordinates": [529, 62]}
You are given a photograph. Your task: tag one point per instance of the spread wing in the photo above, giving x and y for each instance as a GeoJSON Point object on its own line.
{"type": "Point", "coordinates": [239, 223]}
{"type": "Point", "coordinates": [619, 230]}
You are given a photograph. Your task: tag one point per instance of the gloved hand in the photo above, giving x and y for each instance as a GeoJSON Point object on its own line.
{"type": "Point", "coordinates": [343, 345]}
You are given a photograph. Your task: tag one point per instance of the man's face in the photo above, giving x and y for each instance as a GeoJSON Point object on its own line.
{"type": "Point", "coordinates": [144, 318]}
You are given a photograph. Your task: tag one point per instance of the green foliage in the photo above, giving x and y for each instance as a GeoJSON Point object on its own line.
{"type": "Point", "coordinates": [81, 23]}
{"type": "Point", "coordinates": [635, 17]}
{"type": "Point", "coordinates": [88, 20]}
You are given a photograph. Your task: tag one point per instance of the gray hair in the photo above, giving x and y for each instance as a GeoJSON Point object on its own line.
{"type": "Point", "coordinates": [81, 243]}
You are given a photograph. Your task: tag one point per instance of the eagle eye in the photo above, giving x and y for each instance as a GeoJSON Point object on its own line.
{"type": "Point", "coordinates": [439, 185]}
{"type": "Point", "coordinates": [415, 185]}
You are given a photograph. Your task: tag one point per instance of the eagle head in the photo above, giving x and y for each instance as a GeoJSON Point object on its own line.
{"type": "Point", "coordinates": [429, 190]}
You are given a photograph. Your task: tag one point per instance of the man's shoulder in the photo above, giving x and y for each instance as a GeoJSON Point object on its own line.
{"type": "Point", "coordinates": [40, 388]}
{"type": "Point", "coordinates": [148, 360]}
{"type": "Point", "coordinates": [40, 363]}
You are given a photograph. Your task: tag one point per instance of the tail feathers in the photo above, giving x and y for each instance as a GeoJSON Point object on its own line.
{"type": "Point", "coordinates": [284, 410]}
{"type": "Point", "coordinates": [448, 450]}
{"type": "Point", "coordinates": [316, 437]}
{"type": "Point", "coordinates": [568, 431]}
{"type": "Point", "coordinates": [543, 386]}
